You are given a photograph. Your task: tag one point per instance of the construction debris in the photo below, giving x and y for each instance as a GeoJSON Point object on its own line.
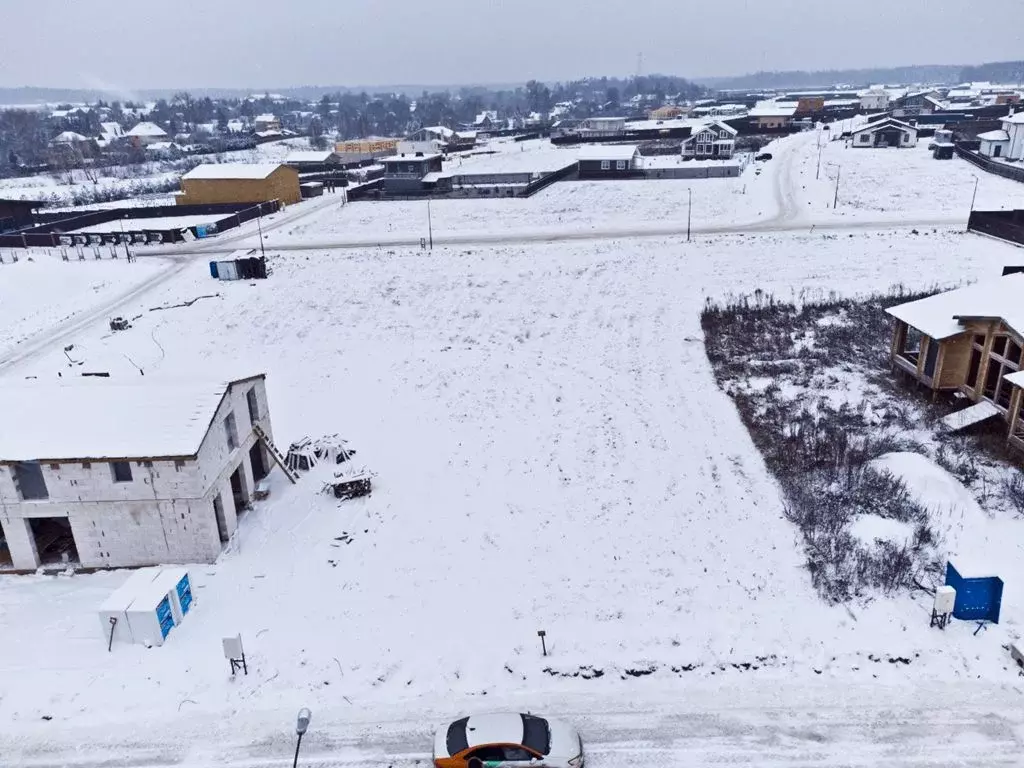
{"type": "Point", "coordinates": [350, 484]}
{"type": "Point", "coordinates": [306, 453]}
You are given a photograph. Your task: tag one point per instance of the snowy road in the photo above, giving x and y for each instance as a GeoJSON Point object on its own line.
{"type": "Point", "coordinates": [926, 728]}
{"type": "Point", "coordinates": [567, 234]}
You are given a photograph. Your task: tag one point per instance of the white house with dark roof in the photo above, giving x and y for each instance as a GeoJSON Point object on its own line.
{"type": "Point", "coordinates": [1007, 142]}
{"type": "Point", "coordinates": [108, 474]}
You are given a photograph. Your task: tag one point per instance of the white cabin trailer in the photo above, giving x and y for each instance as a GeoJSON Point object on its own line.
{"type": "Point", "coordinates": [106, 474]}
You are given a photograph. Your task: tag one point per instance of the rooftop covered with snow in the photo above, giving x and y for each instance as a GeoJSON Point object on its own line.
{"type": "Point", "coordinates": [310, 156]}
{"type": "Point", "coordinates": [107, 419]}
{"type": "Point", "coordinates": [147, 129]}
{"type": "Point", "coordinates": [609, 152]}
{"type": "Point", "coordinates": [941, 316]}
{"type": "Point", "coordinates": [232, 171]}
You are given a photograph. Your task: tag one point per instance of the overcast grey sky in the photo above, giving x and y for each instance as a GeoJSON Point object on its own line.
{"type": "Point", "coordinates": [123, 45]}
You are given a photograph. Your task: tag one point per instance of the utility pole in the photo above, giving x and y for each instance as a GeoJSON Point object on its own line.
{"type": "Point", "coordinates": [430, 226]}
{"type": "Point", "coordinates": [124, 240]}
{"type": "Point", "coordinates": [259, 226]}
{"type": "Point", "coordinates": [817, 174]}
{"type": "Point", "coordinates": [974, 195]}
{"type": "Point", "coordinates": [839, 171]}
{"type": "Point", "coordinates": [689, 211]}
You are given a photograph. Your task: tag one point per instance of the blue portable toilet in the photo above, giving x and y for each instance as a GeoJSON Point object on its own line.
{"type": "Point", "coordinates": [978, 598]}
{"type": "Point", "coordinates": [213, 270]}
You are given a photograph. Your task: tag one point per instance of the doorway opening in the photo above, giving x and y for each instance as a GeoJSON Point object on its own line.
{"type": "Point", "coordinates": [55, 543]}
{"type": "Point", "coordinates": [239, 492]}
{"type": "Point", "coordinates": [256, 461]}
{"type": "Point", "coordinates": [222, 524]}
{"type": "Point", "coordinates": [5, 552]}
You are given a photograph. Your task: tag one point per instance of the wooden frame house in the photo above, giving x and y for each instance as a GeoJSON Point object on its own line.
{"type": "Point", "coordinates": [970, 340]}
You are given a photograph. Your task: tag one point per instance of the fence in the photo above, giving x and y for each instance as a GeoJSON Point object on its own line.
{"type": "Point", "coordinates": [1006, 225]}
{"type": "Point", "coordinates": [992, 166]}
{"type": "Point", "coordinates": [53, 233]}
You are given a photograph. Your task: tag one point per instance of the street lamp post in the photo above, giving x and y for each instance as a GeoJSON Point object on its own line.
{"type": "Point", "coordinates": [300, 729]}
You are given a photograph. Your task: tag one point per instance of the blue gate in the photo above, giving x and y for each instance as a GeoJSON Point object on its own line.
{"type": "Point", "coordinates": [977, 599]}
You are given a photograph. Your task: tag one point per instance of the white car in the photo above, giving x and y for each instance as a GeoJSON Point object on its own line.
{"type": "Point", "coordinates": [507, 740]}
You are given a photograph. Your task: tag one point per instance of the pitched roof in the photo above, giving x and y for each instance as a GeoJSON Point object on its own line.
{"type": "Point", "coordinates": [939, 316]}
{"type": "Point", "coordinates": [147, 129]}
{"type": "Point", "coordinates": [232, 171]}
{"type": "Point", "coordinates": [771, 110]}
{"type": "Point", "coordinates": [608, 152]}
{"type": "Point", "coordinates": [1016, 118]}
{"type": "Point", "coordinates": [107, 419]}
{"type": "Point", "coordinates": [69, 137]}
{"type": "Point", "coordinates": [884, 121]}
{"type": "Point", "coordinates": [994, 136]}
{"type": "Point", "coordinates": [310, 156]}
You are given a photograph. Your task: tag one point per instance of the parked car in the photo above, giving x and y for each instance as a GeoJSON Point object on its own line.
{"type": "Point", "coordinates": [764, 156]}
{"type": "Point", "coordinates": [511, 739]}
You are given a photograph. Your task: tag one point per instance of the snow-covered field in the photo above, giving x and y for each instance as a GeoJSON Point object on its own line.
{"type": "Point", "coordinates": [41, 291]}
{"type": "Point", "coordinates": [888, 184]}
{"type": "Point", "coordinates": [552, 453]}
{"type": "Point", "coordinates": [576, 205]}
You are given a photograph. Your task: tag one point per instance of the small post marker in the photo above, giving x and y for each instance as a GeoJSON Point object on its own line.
{"type": "Point", "coordinates": [543, 644]}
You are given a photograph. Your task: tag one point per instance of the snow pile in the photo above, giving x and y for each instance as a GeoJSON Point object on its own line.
{"type": "Point", "coordinates": [955, 516]}
{"type": "Point", "coordinates": [871, 528]}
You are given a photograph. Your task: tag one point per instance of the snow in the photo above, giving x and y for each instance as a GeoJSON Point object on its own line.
{"type": "Point", "coordinates": [147, 130]}
{"type": "Point", "coordinates": [994, 136]}
{"type": "Point", "coordinates": [676, 161]}
{"type": "Point", "coordinates": [160, 223]}
{"type": "Point", "coordinates": [552, 452]}
{"type": "Point", "coordinates": [883, 122]}
{"type": "Point", "coordinates": [973, 414]}
{"type": "Point", "coordinates": [231, 171]}
{"type": "Point", "coordinates": [1016, 378]}
{"type": "Point", "coordinates": [531, 156]}
{"type": "Point", "coordinates": [494, 729]}
{"type": "Point", "coordinates": [978, 544]}
{"type": "Point", "coordinates": [102, 419]}
{"type": "Point", "coordinates": [907, 185]}
{"type": "Point", "coordinates": [311, 156]}
{"type": "Point", "coordinates": [39, 292]}
{"type": "Point", "coordinates": [937, 316]}
{"type": "Point", "coordinates": [771, 110]}
{"type": "Point", "coordinates": [871, 528]}
{"type": "Point", "coordinates": [607, 152]}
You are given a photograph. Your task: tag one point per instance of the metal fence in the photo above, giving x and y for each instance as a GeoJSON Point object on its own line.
{"type": "Point", "coordinates": [54, 231]}
{"type": "Point", "coordinates": [992, 166]}
{"type": "Point", "coordinates": [1006, 225]}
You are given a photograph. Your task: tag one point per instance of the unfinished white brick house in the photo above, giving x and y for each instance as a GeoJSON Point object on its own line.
{"type": "Point", "coordinates": [108, 474]}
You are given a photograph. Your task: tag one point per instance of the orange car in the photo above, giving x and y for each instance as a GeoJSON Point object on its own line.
{"type": "Point", "coordinates": [508, 741]}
